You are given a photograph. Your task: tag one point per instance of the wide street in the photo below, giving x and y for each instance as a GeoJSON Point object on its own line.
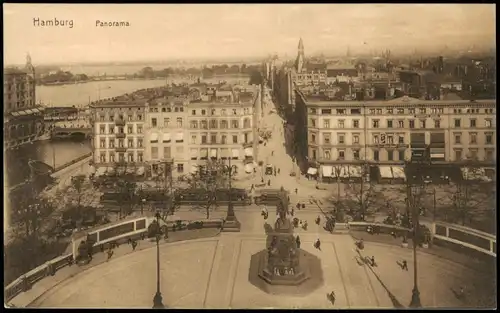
{"type": "Point", "coordinates": [213, 273]}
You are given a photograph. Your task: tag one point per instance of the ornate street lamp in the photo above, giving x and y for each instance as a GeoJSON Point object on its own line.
{"type": "Point", "coordinates": [415, 296]}
{"type": "Point", "coordinates": [158, 299]}
{"type": "Point", "coordinates": [231, 223]}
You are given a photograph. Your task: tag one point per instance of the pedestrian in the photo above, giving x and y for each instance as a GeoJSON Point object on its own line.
{"type": "Point", "coordinates": [331, 296]}
{"type": "Point", "coordinates": [304, 225]}
{"type": "Point", "coordinates": [292, 212]}
{"type": "Point", "coordinates": [278, 170]}
{"type": "Point", "coordinates": [110, 254]}
{"type": "Point", "coordinates": [272, 153]}
{"type": "Point", "coordinates": [317, 244]}
{"type": "Point", "coordinates": [252, 187]}
{"type": "Point", "coordinates": [296, 191]}
{"type": "Point", "coordinates": [129, 241]}
{"type": "Point", "coordinates": [269, 182]}
{"type": "Point", "coordinates": [297, 241]}
{"type": "Point", "coordinates": [404, 265]}
{"type": "Point", "coordinates": [288, 199]}
{"type": "Point", "coordinates": [372, 261]}
{"type": "Point", "coordinates": [318, 220]}
{"type": "Point", "coordinates": [134, 245]}
{"type": "Point", "coordinates": [274, 173]}
{"type": "Point", "coordinates": [262, 180]}
{"type": "Point", "coordinates": [89, 254]}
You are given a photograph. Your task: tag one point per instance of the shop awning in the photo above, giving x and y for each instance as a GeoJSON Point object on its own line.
{"type": "Point", "coordinates": [248, 152]}
{"type": "Point", "coordinates": [179, 137]}
{"type": "Point", "coordinates": [327, 171]}
{"type": "Point", "coordinates": [249, 168]}
{"type": "Point", "coordinates": [478, 173]}
{"type": "Point", "coordinates": [385, 171]}
{"type": "Point", "coordinates": [110, 170]}
{"type": "Point", "coordinates": [235, 153]}
{"type": "Point", "coordinates": [354, 171]}
{"type": "Point", "coordinates": [140, 170]}
{"type": "Point", "coordinates": [312, 171]}
{"type": "Point", "coordinates": [398, 172]}
{"type": "Point", "coordinates": [204, 153]}
{"type": "Point", "coordinates": [153, 137]}
{"type": "Point", "coordinates": [224, 153]}
{"type": "Point", "coordinates": [36, 110]}
{"type": "Point", "coordinates": [166, 137]}
{"type": "Point", "coordinates": [213, 153]}
{"type": "Point", "coordinates": [193, 153]}
{"type": "Point", "coordinates": [101, 171]}
{"type": "Point", "coordinates": [130, 170]}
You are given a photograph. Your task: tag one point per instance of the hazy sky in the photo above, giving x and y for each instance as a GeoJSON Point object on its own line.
{"type": "Point", "coordinates": [227, 30]}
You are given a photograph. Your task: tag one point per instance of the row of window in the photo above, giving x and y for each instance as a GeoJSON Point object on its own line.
{"type": "Point", "coordinates": [224, 139]}
{"type": "Point", "coordinates": [120, 143]}
{"type": "Point", "coordinates": [489, 154]}
{"type": "Point", "coordinates": [120, 129]}
{"type": "Point", "coordinates": [392, 155]}
{"type": "Point", "coordinates": [422, 123]}
{"type": "Point", "coordinates": [223, 112]}
{"type": "Point", "coordinates": [488, 138]}
{"type": "Point", "coordinates": [166, 122]}
{"type": "Point", "coordinates": [397, 139]}
{"type": "Point", "coordinates": [122, 157]}
{"type": "Point", "coordinates": [120, 117]}
{"type": "Point", "coordinates": [400, 111]}
{"type": "Point", "coordinates": [167, 109]}
{"type": "Point", "coordinates": [214, 124]}
{"type": "Point", "coordinates": [167, 152]}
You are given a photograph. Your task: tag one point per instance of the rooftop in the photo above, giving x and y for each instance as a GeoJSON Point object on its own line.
{"type": "Point", "coordinates": [321, 100]}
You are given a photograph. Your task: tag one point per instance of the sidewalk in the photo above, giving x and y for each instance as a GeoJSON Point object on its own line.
{"type": "Point", "coordinates": [43, 286]}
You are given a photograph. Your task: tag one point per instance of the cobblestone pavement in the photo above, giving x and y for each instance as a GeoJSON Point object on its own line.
{"type": "Point", "coordinates": [213, 273]}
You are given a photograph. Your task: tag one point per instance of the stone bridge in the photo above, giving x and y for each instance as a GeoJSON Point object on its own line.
{"type": "Point", "coordinates": [69, 132]}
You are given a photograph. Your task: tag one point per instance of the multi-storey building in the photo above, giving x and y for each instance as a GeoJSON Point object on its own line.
{"type": "Point", "coordinates": [118, 133]}
{"type": "Point", "coordinates": [165, 134]}
{"type": "Point", "coordinates": [222, 127]}
{"type": "Point", "coordinates": [23, 118]}
{"type": "Point", "coordinates": [390, 132]}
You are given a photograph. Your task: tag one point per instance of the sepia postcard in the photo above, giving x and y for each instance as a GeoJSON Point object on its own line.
{"type": "Point", "coordinates": [250, 156]}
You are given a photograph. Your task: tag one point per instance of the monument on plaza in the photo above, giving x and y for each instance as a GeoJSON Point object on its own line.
{"type": "Point", "coordinates": [282, 264]}
{"type": "Point", "coordinates": [283, 268]}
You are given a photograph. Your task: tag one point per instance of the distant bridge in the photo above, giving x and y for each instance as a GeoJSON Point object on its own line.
{"type": "Point", "coordinates": [71, 132]}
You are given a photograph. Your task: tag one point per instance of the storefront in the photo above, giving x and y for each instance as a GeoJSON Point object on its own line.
{"type": "Point", "coordinates": [418, 146]}
{"type": "Point", "coordinates": [437, 147]}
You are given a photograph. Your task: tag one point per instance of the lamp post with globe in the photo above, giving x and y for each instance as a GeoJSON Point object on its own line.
{"type": "Point", "coordinates": [158, 299]}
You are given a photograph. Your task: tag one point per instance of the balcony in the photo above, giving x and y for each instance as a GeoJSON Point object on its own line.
{"type": "Point", "coordinates": [121, 149]}
{"type": "Point", "coordinates": [120, 135]}
{"type": "Point", "coordinates": [120, 122]}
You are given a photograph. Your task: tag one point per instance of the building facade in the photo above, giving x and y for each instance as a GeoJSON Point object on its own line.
{"type": "Point", "coordinates": [118, 134]}
{"type": "Point", "coordinates": [390, 132]}
{"type": "Point", "coordinates": [23, 118]}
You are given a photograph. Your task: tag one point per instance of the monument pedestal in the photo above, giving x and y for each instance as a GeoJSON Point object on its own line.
{"type": "Point", "coordinates": [231, 224]}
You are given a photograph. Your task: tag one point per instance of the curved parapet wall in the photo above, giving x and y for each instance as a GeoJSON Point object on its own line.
{"type": "Point", "coordinates": [443, 232]}
{"type": "Point", "coordinates": [106, 234]}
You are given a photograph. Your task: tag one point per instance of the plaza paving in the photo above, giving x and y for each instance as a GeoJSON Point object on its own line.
{"type": "Point", "coordinates": [213, 273]}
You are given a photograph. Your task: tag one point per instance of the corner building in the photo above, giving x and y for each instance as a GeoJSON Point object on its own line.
{"type": "Point", "coordinates": [389, 132]}
{"type": "Point", "coordinates": [118, 134]}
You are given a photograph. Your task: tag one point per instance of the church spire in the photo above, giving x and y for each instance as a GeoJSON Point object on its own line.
{"type": "Point", "coordinates": [299, 63]}
{"type": "Point", "coordinates": [28, 58]}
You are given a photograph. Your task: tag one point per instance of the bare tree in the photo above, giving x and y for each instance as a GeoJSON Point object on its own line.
{"type": "Point", "coordinates": [209, 178]}
{"type": "Point", "coordinates": [470, 193]}
{"type": "Point", "coordinates": [364, 193]}
{"type": "Point", "coordinates": [77, 184]}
